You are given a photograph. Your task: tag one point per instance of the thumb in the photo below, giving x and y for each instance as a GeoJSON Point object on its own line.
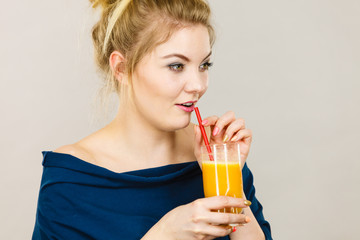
{"type": "Point", "coordinates": [198, 142]}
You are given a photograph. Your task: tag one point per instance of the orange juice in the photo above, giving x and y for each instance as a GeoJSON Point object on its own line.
{"type": "Point", "coordinates": [223, 179]}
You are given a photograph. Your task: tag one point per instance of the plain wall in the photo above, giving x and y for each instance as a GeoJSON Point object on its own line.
{"type": "Point", "coordinates": [290, 68]}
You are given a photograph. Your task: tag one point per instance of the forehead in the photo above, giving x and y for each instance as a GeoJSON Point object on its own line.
{"type": "Point", "coordinates": [192, 41]}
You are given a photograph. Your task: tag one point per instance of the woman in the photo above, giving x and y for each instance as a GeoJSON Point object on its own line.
{"type": "Point", "coordinates": [138, 177]}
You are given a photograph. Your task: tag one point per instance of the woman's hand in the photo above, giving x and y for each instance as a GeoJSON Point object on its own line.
{"type": "Point", "coordinates": [226, 128]}
{"type": "Point", "coordinates": [196, 221]}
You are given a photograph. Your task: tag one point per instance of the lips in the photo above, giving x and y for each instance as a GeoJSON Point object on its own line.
{"type": "Point", "coordinates": [187, 106]}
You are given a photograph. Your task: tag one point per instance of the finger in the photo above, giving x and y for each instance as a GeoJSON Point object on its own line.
{"type": "Point", "coordinates": [197, 135]}
{"type": "Point", "coordinates": [220, 202]}
{"type": "Point", "coordinates": [217, 231]}
{"type": "Point", "coordinates": [209, 121]}
{"type": "Point", "coordinates": [233, 127]}
{"type": "Point", "coordinates": [198, 143]}
{"type": "Point", "coordinates": [206, 123]}
{"type": "Point", "coordinates": [244, 134]}
{"type": "Point", "coordinates": [223, 121]}
{"type": "Point", "coordinates": [228, 218]}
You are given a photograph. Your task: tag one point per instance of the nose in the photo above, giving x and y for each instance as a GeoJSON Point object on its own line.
{"type": "Point", "coordinates": [197, 82]}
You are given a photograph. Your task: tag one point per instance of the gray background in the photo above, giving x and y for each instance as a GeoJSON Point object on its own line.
{"type": "Point", "coordinates": [290, 68]}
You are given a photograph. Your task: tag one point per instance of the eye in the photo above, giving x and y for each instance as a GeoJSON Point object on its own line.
{"type": "Point", "coordinates": [205, 66]}
{"type": "Point", "coordinates": [177, 67]}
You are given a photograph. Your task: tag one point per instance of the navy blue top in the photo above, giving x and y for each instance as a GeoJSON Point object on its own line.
{"type": "Point", "coordinates": [79, 200]}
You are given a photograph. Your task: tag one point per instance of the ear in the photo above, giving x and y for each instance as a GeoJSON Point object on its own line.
{"type": "Point", "coordinates": [117, 63]}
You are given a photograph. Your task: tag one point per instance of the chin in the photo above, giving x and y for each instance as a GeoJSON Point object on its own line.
{"type": "Point", "coordinates": [184, 125]}
{"type": "Point", "coordinates": [179, 123]}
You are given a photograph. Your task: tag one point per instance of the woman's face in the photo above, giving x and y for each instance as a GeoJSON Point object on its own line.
{"type": "Point", "coordinates": [169, 81]}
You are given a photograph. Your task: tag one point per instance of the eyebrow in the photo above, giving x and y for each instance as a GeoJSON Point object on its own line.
{"type": "Point", "coordinates": [183, 57]}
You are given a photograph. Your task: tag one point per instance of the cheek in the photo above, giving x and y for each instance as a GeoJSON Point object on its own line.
{"type": "Point", "coordinates": [154, 83]}
{"type": "Point", "coordinates": [172, 88]}
{"type": "Point", "coordinates": [169, 85]}
{"type": "Point", "coordinates": [158, 89]}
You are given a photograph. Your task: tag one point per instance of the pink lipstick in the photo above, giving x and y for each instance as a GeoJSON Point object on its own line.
{"type": "Point", "coordinates": [187, 106]}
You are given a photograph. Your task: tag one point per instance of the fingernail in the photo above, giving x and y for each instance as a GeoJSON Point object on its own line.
{"type": "Point", "coordinates": [247, 202]}
{"type": "Point", "coordinates": [234, 229]}
{"type": "Point", "coordinates": [204, 122]}
{"type": "Point", "coordinates": [234, 139]}
{"type": "Point", "coordinates": [216, 131]}
{"type": "Point", "coordinates": [226, 138]}
{"type": "Point", "coordinates": [247, 219]}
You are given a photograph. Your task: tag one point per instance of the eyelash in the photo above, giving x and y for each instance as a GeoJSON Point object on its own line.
{"type": "Point", "coordinates": [206, 65]}
{"type": "Point", "coordinates": [178, 67]}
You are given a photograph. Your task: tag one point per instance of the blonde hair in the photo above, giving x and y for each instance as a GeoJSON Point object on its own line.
{"type": "Point", "coordinates": [135, 27]}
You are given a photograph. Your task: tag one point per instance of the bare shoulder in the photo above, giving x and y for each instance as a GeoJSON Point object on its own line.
{"type": "Point", "coordinates": [76, 150]}
{"type": "Point", "coordinates": [67, 149]}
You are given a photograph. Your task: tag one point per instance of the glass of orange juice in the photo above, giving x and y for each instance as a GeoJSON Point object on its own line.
{"type": "Point", "coordinates": [222, 173]}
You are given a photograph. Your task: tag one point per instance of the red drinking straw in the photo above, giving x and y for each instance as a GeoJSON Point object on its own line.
{"type": "Point", "coordinates": [203, 133]}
